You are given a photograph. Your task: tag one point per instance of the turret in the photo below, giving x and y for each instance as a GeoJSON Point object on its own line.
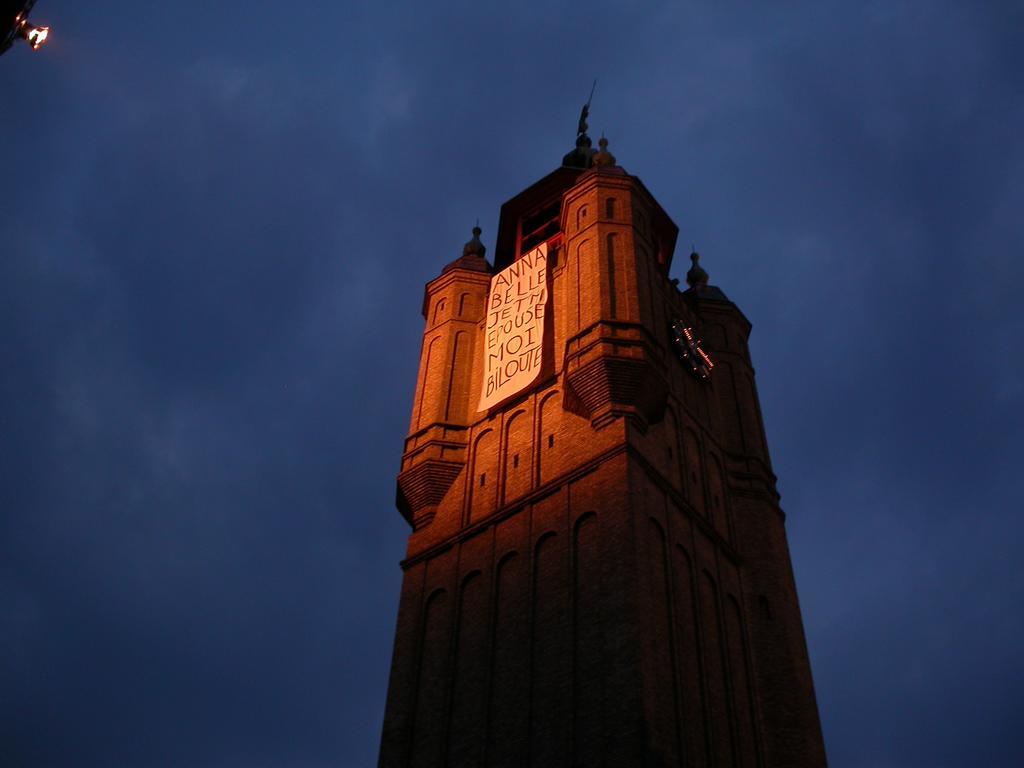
{"type": "Point", "coordinates": [444, 404]}
{"type": "Point", "coordinates": [619, 242]}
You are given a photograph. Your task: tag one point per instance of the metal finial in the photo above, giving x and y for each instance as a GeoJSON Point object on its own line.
{"type": "Point", "coordinates": [603, 156]}
{"type": "Point", "coordinates": [696, 278]}
{"type": "Point", "coordinates": [474, 247]}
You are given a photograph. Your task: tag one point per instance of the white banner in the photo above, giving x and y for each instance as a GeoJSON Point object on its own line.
{"type": "Point", "coordinates": [514, 339]}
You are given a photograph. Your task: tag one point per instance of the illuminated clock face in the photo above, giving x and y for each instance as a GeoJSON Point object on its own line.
{"type": "Point", "coordinates": [689, 351]}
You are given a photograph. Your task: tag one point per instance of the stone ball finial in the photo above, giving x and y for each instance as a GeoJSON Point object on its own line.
{"type": "Point", "coordinates": [603, 156]}
{"type": "Point", "coordinates": [696, 278]}
{"type": "Point", "coordinates": [474, 247]}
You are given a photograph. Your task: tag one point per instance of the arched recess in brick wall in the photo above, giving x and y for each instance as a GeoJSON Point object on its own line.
{"type": "Point", "coordinates": [428, 360]}
{"type": "Point", "coordinates": [653, 446]}
{"type": "Point", "coordinates": [457, 403]}
{"type": "Point", "coordinates": [715, 669]}
{"type": "Point", "coordinates": [694, 464]}
{"type": "Point", "coordinates": [744, 393]}
{"type": "Point", "coordinates": [716, 498]}
{"type": "Point", "coordinates": [688, 644]}
{"type": "Point", "coordinates": [518, 453]}
{"type": "Point", "coordinates": [673, 453]}
{"type": "Point", "coordinates": [740, 343]}
{"type": "Point", "coordinates": [660, 650]}
{"type": "Point", "coordinates": [728, 394]}
{"type": "Point", "coordinates": [468, 703]}
{"type": "Point", "coordinates": [609, 208]}
{"type": "Point", "coordinates": [508, 725]}
{"type": "Point", "coordinates": [550, 419]}
{"type": "Point", "coordinates": [428, 724]}
{"type": "Point", "coordinates": [689, 388]}
{"type": "Point", "coordinates": [484, 477]}
{"type": "Point", "coordinates": [640, 220]}
{"type": "Point", "coordinates": [762, 442]}
{"type": "Point", "coordinates": [465, 303]}
{"type": "Point", "coordinates": [589, 664]}
{"type": "Point", "coordinates": [577, 301]}
{"type": "Point", "coordinates": [550, 702]}
{"type": "Point", "coordinates": [655, 288]}
{"type": "Point", "coordinates": [439, 310]}
{"type": "Point", "coordinates": [716, 338]}
{"type": "Point", "coordinates": [613, 295]}
{"type": "Point", "coordinates": [703, 400]}
{"type": "Point", "coordinates": [743, 702]}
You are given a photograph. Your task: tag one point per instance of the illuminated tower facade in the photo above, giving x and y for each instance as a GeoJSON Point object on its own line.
{"type": "Point", "coordinates": [597, 573]}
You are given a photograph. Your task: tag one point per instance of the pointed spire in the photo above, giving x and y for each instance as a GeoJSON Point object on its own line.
{"type": "Point", "coordinates": [696, 278]}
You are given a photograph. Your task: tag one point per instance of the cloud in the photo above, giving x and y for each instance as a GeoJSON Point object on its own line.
{"type": "Point", "coordinates": [215, 250]}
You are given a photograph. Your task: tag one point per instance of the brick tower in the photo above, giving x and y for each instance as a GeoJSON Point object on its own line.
{"type": "Point", "coordinates": [597, 573]}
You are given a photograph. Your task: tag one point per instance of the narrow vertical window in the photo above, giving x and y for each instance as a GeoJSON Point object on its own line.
{"type": "Point", "coordinates": [609, 207]}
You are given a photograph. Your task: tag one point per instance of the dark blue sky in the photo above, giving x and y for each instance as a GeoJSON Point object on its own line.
{"type": "Point", "coordinates": [217, 220]}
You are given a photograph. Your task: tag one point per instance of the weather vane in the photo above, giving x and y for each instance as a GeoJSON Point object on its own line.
{"type": "Point", "coordinates": [582, 129]}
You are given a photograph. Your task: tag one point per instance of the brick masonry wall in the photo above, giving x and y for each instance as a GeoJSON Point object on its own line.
{"type": "Point", "coordinates": [604, 580]}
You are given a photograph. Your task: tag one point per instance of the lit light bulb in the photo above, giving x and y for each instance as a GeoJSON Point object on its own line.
{"type": "Point", "coordinates": [35, 36]}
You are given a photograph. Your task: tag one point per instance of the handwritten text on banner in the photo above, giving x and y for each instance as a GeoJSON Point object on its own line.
{"type": "Point", "coordinates": [514, 338]}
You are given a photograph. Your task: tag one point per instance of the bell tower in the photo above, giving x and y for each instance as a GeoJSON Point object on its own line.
{"type": "Point", "coordinates": [597, 572]}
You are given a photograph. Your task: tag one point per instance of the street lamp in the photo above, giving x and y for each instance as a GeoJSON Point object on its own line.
{"type": "Point", "coordinates": [36, 36]}
{"type": "Point", "coordinates": [16, 26]}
